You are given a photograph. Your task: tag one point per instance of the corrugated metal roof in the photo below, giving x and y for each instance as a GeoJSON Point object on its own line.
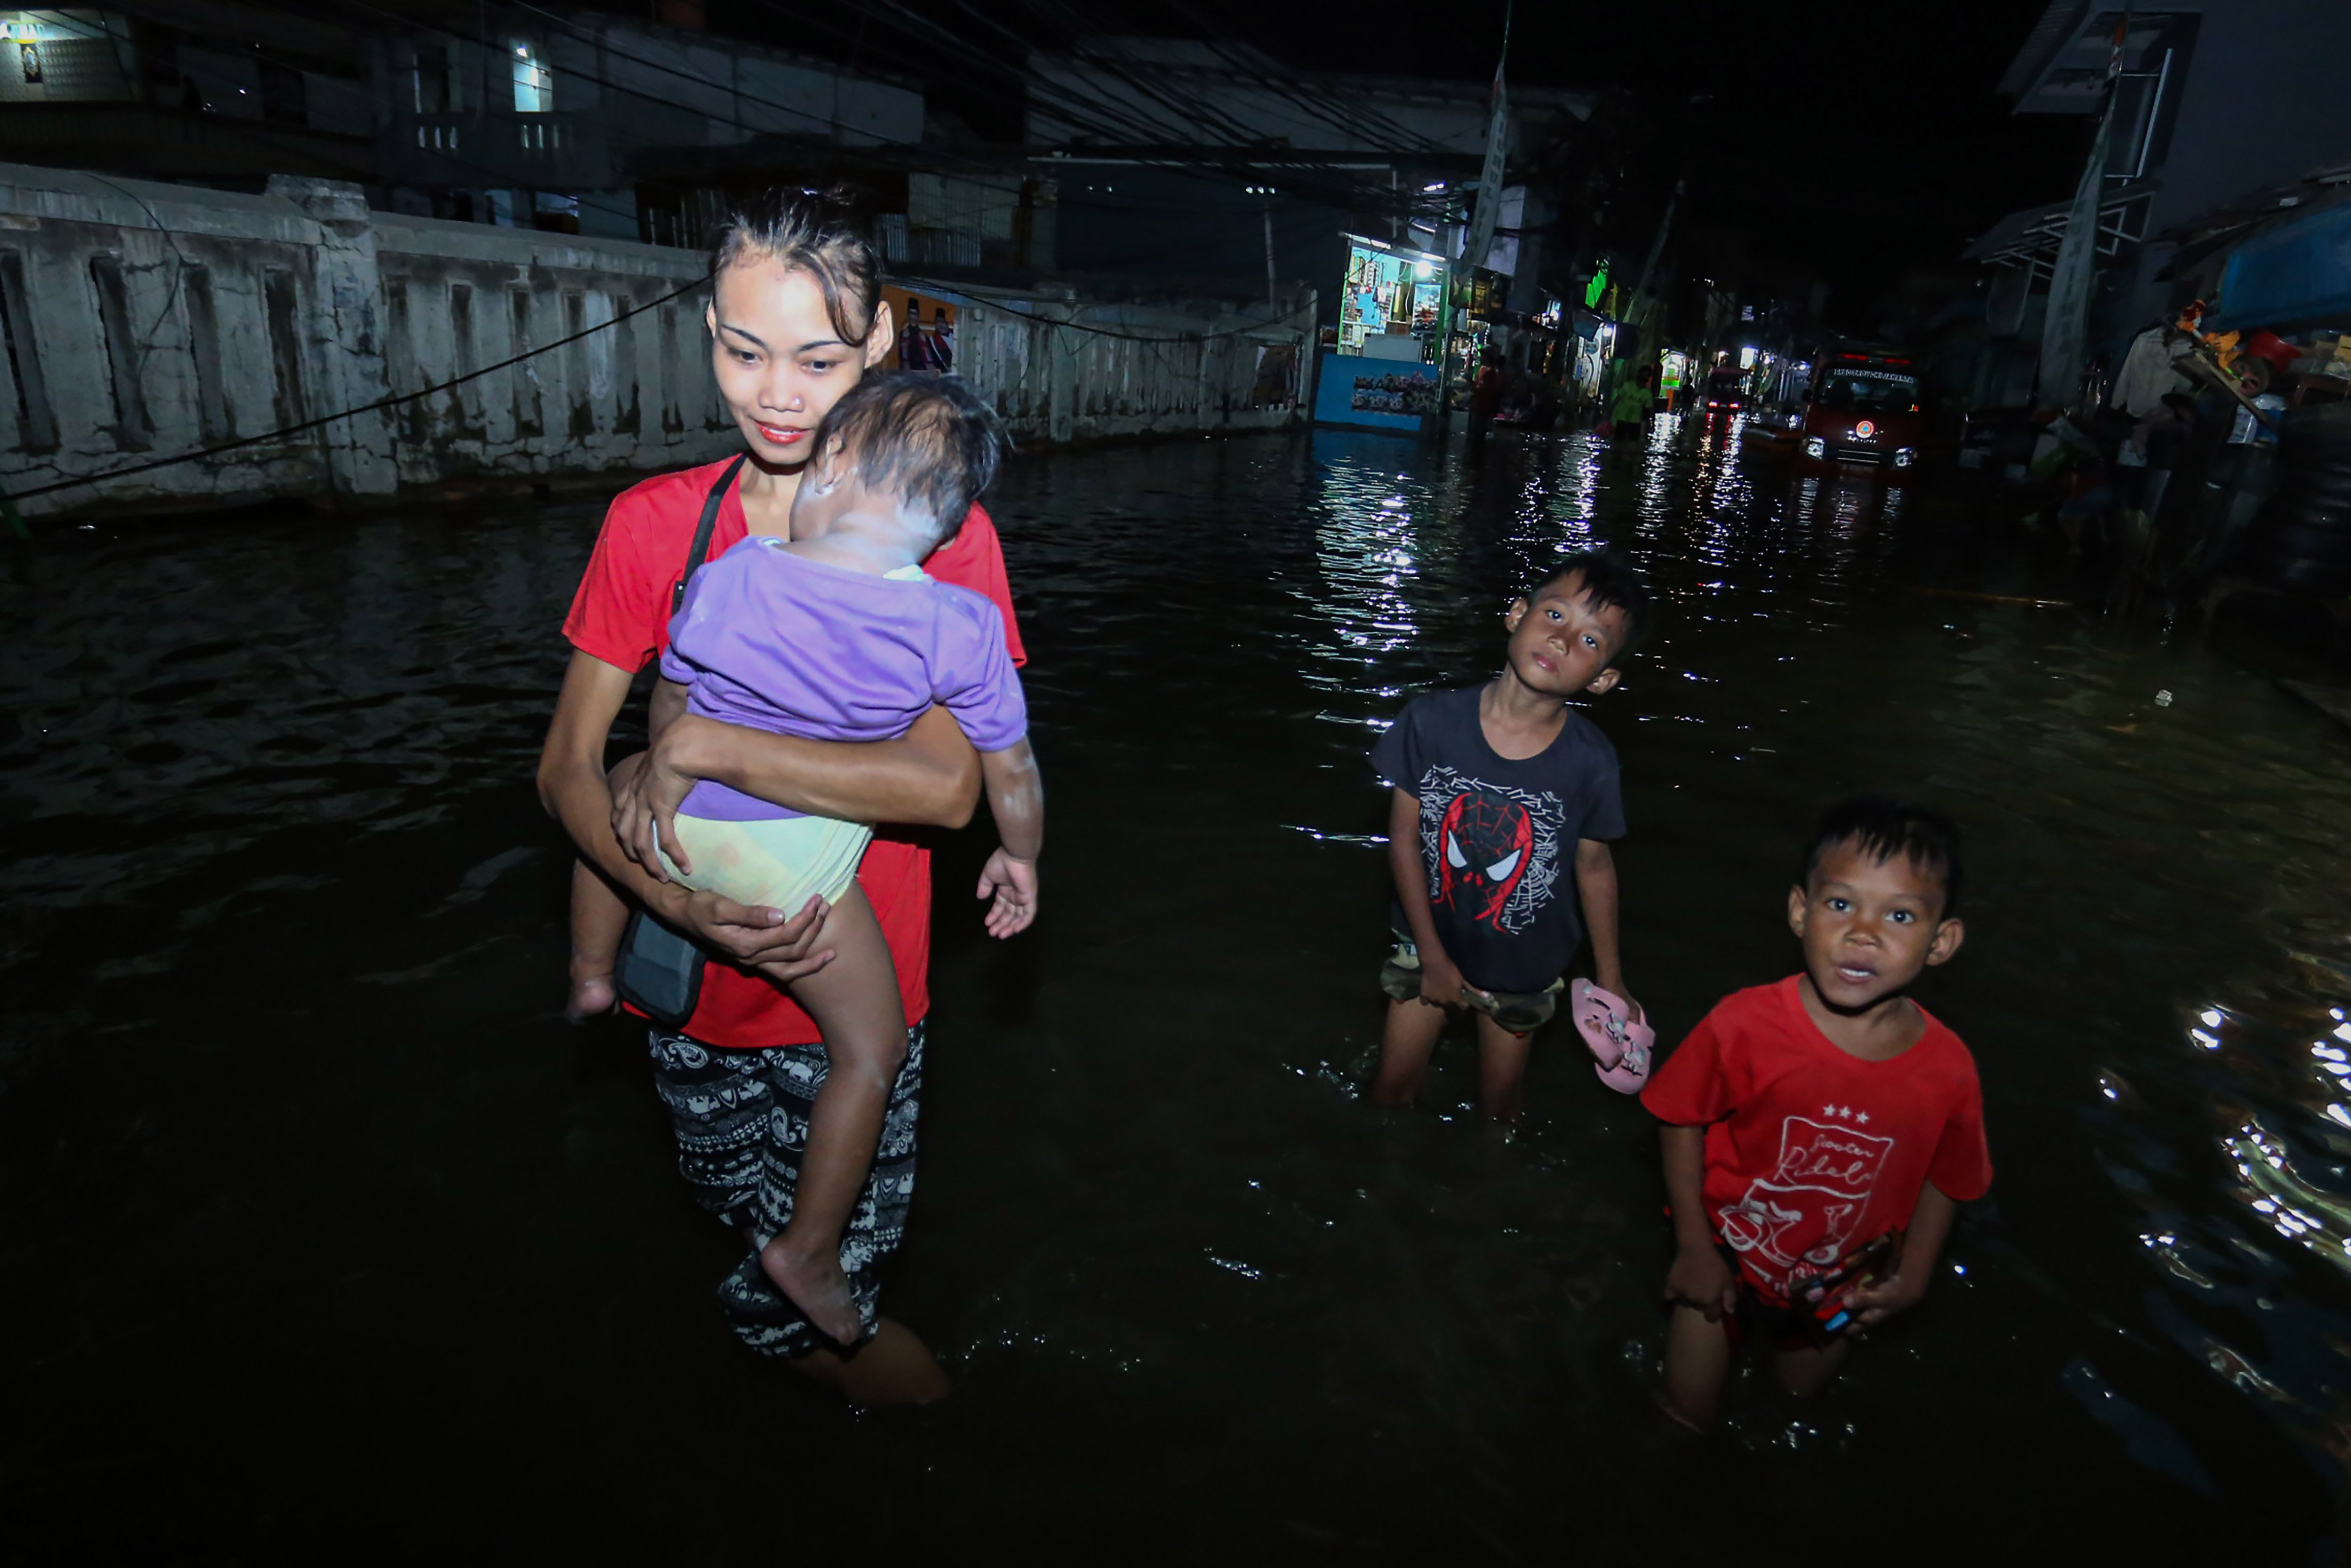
{"type": "Point", "coordinates": [2058, 26]}
{"type": "Point", "coordinates": [2030, 237]}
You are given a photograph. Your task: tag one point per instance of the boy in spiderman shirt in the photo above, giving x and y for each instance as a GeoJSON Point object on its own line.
{"type": "Point", "coordinates": [1821, 1133]}
{"type": "Point", "coordinates": [1497, 789]}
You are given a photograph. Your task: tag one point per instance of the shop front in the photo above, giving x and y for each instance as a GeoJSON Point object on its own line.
{"type": "Point", "coordinates": [1380, 372]}
{"type": "Point", "coordinates": [1673, 375]}
{"type": "Point", "coordinates": [1591, 347]}
{"type": "Point", "coordinates": [1389, 305]}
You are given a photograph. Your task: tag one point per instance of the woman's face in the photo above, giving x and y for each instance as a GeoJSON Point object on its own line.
{"type": "Point", "coordinates": [779, 360]}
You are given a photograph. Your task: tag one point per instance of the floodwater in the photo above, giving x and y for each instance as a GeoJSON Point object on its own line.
{"type": "Point", "coordinates": [317, 1224]}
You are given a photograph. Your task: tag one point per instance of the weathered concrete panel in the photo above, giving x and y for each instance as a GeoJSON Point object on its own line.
{"type": "Point", "coordinates": [149, 320]}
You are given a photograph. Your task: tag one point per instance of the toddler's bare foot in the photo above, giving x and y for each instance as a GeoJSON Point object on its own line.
{"type": "Point", "coordinates": [592, 997]}
{"type": "Point", "coordinates": [816, 1285]}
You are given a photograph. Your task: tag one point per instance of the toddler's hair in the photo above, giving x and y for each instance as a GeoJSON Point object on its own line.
{"type": "Point", "coordinates": [1611, 584]}
{"type": "Point", "coordinates": [812, 233]}
{"type": "Point", "coordinates": [928, 440]}
{"type": "Point", "coordinates": [1885, 829]}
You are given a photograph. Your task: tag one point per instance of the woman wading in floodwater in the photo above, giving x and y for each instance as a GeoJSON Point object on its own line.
{"type": "Point", "coordinates": [794, 325]}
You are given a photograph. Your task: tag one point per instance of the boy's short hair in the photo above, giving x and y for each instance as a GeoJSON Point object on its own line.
{"type": "Point", "coordinates": [1884, 829]}
{"type": "Point", "coordinates": [1611, 584]}
{"type": "Point", "coordinates": [928, 440]}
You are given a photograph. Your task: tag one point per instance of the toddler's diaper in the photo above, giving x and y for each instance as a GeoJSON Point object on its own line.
{"type": "Point", "coordinates": [779, 862]}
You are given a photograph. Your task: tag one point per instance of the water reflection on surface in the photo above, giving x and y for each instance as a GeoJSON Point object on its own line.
{"type": "Point", "coordinates": [284, 953]}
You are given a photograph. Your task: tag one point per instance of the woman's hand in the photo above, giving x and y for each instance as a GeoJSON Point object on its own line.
{"type": "Point", "coordinates": [646, 793]}
{"type": "Point", "coordinates": [1011, 881]}
{"type": "Point", "coordinates": [785, 948]}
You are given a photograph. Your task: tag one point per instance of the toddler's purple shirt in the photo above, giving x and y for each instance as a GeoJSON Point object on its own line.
{"type": "Point", "coordinates": [774, 641]}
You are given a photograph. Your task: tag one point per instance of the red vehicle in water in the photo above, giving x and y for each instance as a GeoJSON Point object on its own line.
{"type": "Point", "coordinates": [1865, 410]}
{"type": "Point", "coordinates": [1726, 390]}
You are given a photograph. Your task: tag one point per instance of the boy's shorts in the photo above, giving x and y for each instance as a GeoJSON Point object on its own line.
{"type": "Point", "coordinates": [1521, 1012]}
{"type": "Point", "coordinates": [1785, 1326]}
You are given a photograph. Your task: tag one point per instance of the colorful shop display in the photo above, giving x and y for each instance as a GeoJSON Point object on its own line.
{"type": "Point", "coordinates": [1376, 371]}
{"type": "Point", "coordinates": [1388, 304]}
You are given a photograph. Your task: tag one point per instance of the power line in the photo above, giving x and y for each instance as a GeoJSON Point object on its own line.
{"type": "Point", "coordinates": [395, 401]}
{"type": "Point", "coordinates": [499, 176]}
{"type": "Point", "coordinates": [1092, 116]}
{"type": "Point", "coordinates": [977, 296]}
{"type": "Point", "coordinates": [928, 286]}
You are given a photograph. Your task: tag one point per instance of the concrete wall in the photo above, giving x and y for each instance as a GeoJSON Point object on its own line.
{"type": "Point", "coordinates": [1060, 368]}
{"type": "Point", "coordinates": [139, 321]}
{"type": "Point", "coordinates": [144, 320]}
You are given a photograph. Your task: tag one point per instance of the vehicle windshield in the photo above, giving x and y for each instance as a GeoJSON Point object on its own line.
{"type": "Point", "coordinates": [1722, 381]}
{"type": "Point", "coordinates": [1869, 389]}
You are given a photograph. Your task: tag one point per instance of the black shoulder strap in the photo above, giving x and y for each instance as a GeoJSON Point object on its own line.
{"type": "Point", "coordinates": [701, 551]}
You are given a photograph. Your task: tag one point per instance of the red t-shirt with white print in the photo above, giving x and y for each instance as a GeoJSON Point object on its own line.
{"type": "Point", "coordinates": [1812, 1152]}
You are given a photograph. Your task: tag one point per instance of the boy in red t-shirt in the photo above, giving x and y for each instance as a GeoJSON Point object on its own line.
{"type": "Point", "coordinates": [1822, 1132]}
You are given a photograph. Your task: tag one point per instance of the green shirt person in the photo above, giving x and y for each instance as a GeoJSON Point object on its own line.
{"type": "Point", "coordinates": [1633, 402]}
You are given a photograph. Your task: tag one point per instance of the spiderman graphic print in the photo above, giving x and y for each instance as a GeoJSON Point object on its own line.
{"type": "Point", "coordinates": [1497, 833]}
{"type": "Point", "coordinates": [1485, 842]}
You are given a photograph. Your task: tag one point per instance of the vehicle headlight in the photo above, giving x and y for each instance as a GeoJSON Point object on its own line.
{"type": "Point", "coordinates": [1904, 456]}
{"type": "Point", "coordinates": [1814, 446]}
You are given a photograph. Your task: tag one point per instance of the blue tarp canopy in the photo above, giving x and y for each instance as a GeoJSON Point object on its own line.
{"type": "Point", "coordinates": [2299, 275]}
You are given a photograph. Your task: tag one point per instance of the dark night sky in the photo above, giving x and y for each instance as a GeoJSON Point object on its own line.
{"type": "Point", "coordinates": [1858, 142]}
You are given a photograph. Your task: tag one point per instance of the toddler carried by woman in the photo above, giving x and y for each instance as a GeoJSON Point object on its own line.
{"type": "Point", "coordinates": [839, 635]}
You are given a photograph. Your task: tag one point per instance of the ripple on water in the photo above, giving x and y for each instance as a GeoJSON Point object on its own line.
{"type": "Point", "coordinates": [1155, 1205]}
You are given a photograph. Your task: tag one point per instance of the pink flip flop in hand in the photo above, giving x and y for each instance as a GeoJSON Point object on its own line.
{"type": "Point", "coordinates": [1620, 1042]}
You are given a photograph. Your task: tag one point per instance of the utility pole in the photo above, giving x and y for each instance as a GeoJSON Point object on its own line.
{"type": "Point", "coordinates": [1656, 247]}
{"type": "Point", "coordinates": [1272, 302]}
{"type": "Point", "coordinates": [2065, 331]}
{"type": "Point", "coordinates": [1479, 243]}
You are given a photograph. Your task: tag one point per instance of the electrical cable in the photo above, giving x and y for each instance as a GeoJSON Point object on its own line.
{"type": "Point", "coordinates": [1310, 94]}
{"type": "Point", "coordinates": [934, 286]}
{"type": "Point", "coordinates": [1242, 134]}
{"type": "Point", "coordinates": [179, 268]}
{"type": "Point", "coordinates": [499, 176]}
{"type": "Point", "coordinates": [1093, 117]}
{"type": "Point", "coordinates": [1352, 193]}
{"type": "Point", "coordinates": [978, 296]}
{"type": "Point", "coordinates": [395, 401]}
{"type": "Point", "coordinates": [928, 286]}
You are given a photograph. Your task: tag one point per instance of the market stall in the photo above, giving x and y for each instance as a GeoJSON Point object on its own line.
{"type": "Point", "coordinates": [1378, 370]}
{"type": "Point", "coordinates": [1388, 306]}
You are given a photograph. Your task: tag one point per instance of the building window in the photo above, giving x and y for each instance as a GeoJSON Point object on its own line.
{"type": "Point", "coordinates": [435, 79]}
{"type": "Point", "coordinates": [534, 84]}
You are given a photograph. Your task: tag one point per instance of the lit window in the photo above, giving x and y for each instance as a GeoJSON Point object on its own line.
{"type": "Point", "coordinates": [534, 84]}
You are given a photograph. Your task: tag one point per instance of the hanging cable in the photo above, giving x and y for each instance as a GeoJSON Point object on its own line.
{"type": "Point", "coordinates": [395, 401]}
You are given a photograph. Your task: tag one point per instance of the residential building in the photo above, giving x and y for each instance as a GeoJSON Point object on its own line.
{"type": "Point", "coordinates": [1214, 159]}
{"type": "Point", "coordinates": [2210, 104]}
{"type": "Point", "coordinates": [601, 124]}
{"type": "Point", "coordinates": [182, 90]}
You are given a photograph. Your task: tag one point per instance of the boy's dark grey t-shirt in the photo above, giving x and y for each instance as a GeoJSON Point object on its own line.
{"type": "Point", "coordinates": [1498, 837]}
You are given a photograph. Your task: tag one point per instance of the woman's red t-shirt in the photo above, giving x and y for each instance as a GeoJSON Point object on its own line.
{"type": "Point", "coordinates": [620, 615]}
{"type": "Point", "coordinates": [1812, 1153]}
